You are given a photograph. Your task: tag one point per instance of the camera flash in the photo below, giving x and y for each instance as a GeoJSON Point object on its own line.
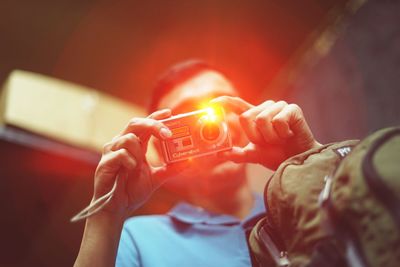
{"type": "Point", "coordinates": [211, 115]}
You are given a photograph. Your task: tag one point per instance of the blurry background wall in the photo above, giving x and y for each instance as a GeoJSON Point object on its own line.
{"type": "Point", "coordinates": [348, 80]}
{"type": "Point", "coordinates": [339, 60]}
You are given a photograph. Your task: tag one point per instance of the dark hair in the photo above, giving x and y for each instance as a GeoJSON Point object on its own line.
{"type": "Point", "coordinates": [175, 75]}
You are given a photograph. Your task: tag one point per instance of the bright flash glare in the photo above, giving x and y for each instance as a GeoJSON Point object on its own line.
{"type": "Point", "coordinates": [213, 111]}
{"type": "Point", "coordinates": [211, 114]}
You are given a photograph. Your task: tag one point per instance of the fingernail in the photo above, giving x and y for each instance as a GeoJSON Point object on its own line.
{"type": "Point", "coordinates": [165, 133]}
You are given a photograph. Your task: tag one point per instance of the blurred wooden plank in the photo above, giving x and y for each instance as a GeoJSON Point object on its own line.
{"type": "Point", "coordinates": [63, 111]}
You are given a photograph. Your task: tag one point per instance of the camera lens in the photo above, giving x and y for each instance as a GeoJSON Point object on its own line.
{"type": "Point", "coordinates": [210, 131]}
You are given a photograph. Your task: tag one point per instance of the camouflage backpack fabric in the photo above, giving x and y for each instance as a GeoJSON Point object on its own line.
{"type": "Point", "coordinates": [292, 228]}
{"type": "Point", "coordinates": [325, 208]}
{"type": "Point", "coordinates": [361, 202]}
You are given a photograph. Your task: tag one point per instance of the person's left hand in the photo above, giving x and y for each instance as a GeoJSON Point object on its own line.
{"type": "Point", "coordinates": [276, 131]}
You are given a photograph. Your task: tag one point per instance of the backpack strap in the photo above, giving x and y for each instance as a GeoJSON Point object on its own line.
{"type": "Point", "coordinates": [375, 183]}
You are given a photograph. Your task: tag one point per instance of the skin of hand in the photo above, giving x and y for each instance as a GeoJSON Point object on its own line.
{"type": "Point", "coordinates": [124, 161]}
{"type": "Point", "coordinates": [276, 131]}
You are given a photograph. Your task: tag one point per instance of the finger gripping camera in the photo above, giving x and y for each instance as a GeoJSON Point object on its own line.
{"type": "Point", "coordinates": [196, 134]}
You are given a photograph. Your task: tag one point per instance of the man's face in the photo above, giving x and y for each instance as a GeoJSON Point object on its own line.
{"type": "Point", "coordinates": [203, 87]}
{"type": "Point", "coordinates": [189, 96]}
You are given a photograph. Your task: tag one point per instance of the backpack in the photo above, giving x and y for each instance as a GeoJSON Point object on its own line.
{"type": "Point", "coordinates": [291, 228]}
{"type": "Point", "coordinates": [361, 202]}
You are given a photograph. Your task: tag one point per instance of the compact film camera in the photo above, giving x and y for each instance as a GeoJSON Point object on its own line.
{"type": "Point", "coordinates": [196, 134]}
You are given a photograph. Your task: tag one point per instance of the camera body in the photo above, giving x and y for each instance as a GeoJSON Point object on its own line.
{"type": "Point", "coordinates": [196, 134]}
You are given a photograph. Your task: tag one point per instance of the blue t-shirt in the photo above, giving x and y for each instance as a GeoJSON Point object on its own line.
{"type": "Point", "coordinates": [186, 236]}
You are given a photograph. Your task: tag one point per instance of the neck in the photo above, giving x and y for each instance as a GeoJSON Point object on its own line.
{"type": "Point", "coordinates": [236, 201]}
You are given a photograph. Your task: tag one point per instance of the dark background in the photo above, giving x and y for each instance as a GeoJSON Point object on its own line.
{"type": "Point", "coordinates": [339, 60]}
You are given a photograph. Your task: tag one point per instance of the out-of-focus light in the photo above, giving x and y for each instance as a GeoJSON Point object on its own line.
{"type": "Point", "coordinates": [204, 104]}
{"type": "Point", "coordinates": [213, 113]}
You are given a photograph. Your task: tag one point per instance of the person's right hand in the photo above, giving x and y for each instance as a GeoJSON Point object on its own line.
{"type": "Point", "coordinates": [124, 162]}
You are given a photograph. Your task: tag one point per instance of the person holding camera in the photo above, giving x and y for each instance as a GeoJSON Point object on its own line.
{"type": "Point", "coordinates": [208, 228]}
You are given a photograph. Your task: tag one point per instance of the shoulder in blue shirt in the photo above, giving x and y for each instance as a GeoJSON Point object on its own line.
{"type": "Point", "coordinates": [186, 236]}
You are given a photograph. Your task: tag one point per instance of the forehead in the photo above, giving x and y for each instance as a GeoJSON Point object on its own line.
{"type": "Point", "coordinates": [197, 90]}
